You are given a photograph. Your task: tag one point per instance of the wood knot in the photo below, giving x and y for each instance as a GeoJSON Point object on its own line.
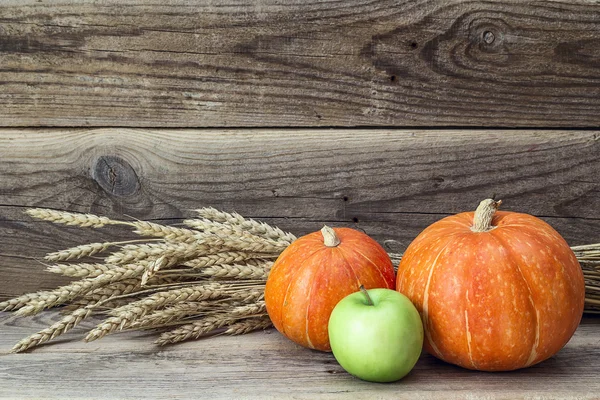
{"type": "Point", "coordinates": [116, 176]}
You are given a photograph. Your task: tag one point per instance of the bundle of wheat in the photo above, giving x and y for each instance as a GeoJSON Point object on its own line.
{"type": "Point", "coordinates": [589, 258]}
{"type": "Point", "coordinates": [185, 282]}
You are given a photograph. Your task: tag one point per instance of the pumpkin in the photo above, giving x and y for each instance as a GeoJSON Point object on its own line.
{"type": "Point", "coordinates": [314, 273]}
{"type": "Point", "coordinates": [496, 291]}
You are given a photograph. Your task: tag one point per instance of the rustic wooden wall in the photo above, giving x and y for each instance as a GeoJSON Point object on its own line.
{"type": "Point", "coordinates": [178, 63]}
{"type": "Point", "coordinates": [90, 92]}
{"type": "Point", "coordinates": [389, 183]}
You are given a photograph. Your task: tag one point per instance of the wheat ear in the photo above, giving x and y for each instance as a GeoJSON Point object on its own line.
{"type": "Point", "coordinates": [124, 316]}
{"type": "Point", "coordinates": [145, 228]}
{"type": "Point", "coordinates": [81, 270]}
{"type": "Point", "coordinates": [249, 225]}
{"type": "Point", "coordinates": [84, 250]}
{"type": "Point", "coordinates": [69, 218]}
{"type": "Point", "coordinates": [237, 271]}
{"type": "Point", "coordinates": [176, 312]}
{"type": "Point", "coordinates": [223, 230]}
{"type": "Point", "coordinates": [227, 257]}
{"type": "Point", "coordinates": [195, 329]}
{"type": "Point", "coordinates": [248, 325]}
{"type": "Point", "coordinates": [65, 324]}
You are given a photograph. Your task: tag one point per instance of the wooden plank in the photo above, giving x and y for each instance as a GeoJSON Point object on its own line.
{"type": "Point", "coordinates": [264, 365]}
{"type": "Point", "coordinates": [323, 63]}
{"type": "Point", "coordinates": [389, 183]}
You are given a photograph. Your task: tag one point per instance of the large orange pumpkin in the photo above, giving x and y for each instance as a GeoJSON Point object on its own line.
{"type": "Point", "coordinates": [496, 291]}
{"type": "Point", "coordinates": [317, 271]}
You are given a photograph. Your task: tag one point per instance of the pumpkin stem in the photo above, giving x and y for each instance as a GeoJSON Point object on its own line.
{"type": "Point", "coordinates": [329, 237]}
{"type": "Point", "coordinates": [482, 221]}
{"type": "Point", "coordinates": [369, 300]}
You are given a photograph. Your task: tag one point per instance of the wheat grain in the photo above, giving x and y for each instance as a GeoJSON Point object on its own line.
{"type": "Point", "coordinates": [69, 218]}
{"type": "Point", "coordinates": [153, 268]}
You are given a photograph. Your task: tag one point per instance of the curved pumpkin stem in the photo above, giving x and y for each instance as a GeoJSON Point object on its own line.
{"type": "Point", "coordinates": [329, 237]}
{"type": "Point", "coordinates": [482, 221]}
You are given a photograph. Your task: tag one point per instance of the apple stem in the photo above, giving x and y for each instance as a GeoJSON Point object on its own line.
{"type": "Point", "coordinates": [369, 300]}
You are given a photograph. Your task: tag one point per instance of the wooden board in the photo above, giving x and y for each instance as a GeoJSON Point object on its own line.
{"type": "Point", "coordinates": [323, 63]}
{"type": "Point", "coordinates": [389, 183]}
{"type": "Point", "coordinates": [264, 365]}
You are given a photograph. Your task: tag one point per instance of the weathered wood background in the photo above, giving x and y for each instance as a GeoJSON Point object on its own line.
{"type": "Point", "coordinates": [256, 63]}
{"type": "Point", "coordinates": [389, 183]}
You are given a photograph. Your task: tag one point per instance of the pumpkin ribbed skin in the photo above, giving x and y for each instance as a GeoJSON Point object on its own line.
{"type": "Point", "coordinates": [498, 300]}
{"type": "Point", "coordinates": [309, 279]}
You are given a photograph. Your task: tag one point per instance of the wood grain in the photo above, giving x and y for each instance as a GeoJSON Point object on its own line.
{"type": "Point", "coordinates": [263, 365]}
{"type": "Point", "coordinates": [389, 183]}
{"type": "Point", "coordinates": [323, 63]}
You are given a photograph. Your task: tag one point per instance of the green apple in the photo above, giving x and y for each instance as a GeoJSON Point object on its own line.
{"type": "Point", "coordinates": [376, 335]}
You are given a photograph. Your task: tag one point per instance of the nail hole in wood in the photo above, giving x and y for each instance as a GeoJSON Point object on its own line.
{"type": "Point", "coordinates": [355, 219]}
{"type": "Point", "coordinates": [489, 37]}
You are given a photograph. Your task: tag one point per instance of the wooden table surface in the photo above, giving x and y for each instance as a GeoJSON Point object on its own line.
{"type": "Point", "coordinates": [263, 365]}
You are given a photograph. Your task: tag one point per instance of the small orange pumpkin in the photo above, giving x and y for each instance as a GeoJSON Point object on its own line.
{"type": "Point", "coordinates": [317, 271]}
{"type": "Point", "coordinates": [496, 291]}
